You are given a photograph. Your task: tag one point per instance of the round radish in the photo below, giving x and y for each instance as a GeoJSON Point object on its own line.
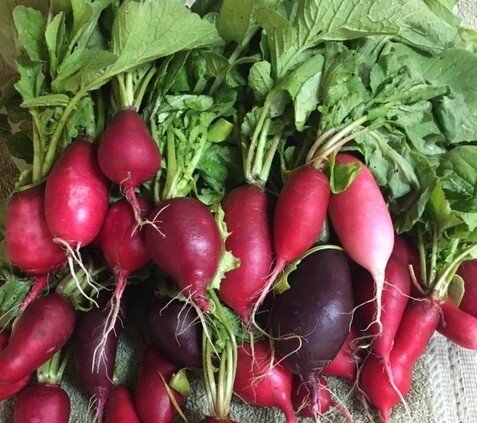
{"type": "Point", "coordinates": [120, 407]}
{"type": "Point", "coordinates": [29, 242]}
{"type": "Point", "coordinates": [186, 245]}
{"type": "Point", "coordinates": [42, 403]}
{"type": "Point", "coordinates": [128, 155]}
{"type": "Point", "coordinates": [247, 215]}
{"type": "Point", "coordinates": [362, 222]}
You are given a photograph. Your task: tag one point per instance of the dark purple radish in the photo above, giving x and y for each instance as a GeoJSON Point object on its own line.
{"type": "Point", "coordinates": [186, 244]}
{"type": "Point", "coordinates": [128, 155]}
{"type": "Point", "coordinates": [175, 330]}
{"type": "Point", "coordinates": [76, 200]}
{"type": "Point", "coordinates": [299, 216]}
{"type": "Point", "coordinates": [311, 320]}
{"type": "Point", "coordinates": [40, 331]}
{"type": "Point", "coordinates": [29, 242]}
{"type": "Point", "coordinates": [42, 403]}
{"type": "Point", "coordinates": [122, 243]}
{"type": "Point", "coordinates": [468, 272]}
{"type": "Point", "coordinates": [97, 377]}
{"type": "Point", "coordinates": [247, 215]}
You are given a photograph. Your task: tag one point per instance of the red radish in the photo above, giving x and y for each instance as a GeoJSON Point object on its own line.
{"type": "Point", "coordinates": [261, 381]}
{"type": "Point", "coordinates": [76, 199]}
{"type": "Point", "coordinates": [40, 331]}
{"type": "Point", "coordinates": [4, 335]}
{"type": "Point", "coordinates": [120, 407]}
{"type": "Point", "coordinates": [96, 377]}
{"type": "Point", "coordinates": [247, 210]}
{"type": "Point", "coordinates": [153, 403]}
{"type": "Point", "coordinates": [458, 326]}
{"type": "Point", "coordinates": [299, 216]}
{"type": "Point", "coordinates": [186, 246]}
{"type": "Point", "coordinates": [42, 403]}
{"type": "Point", "coordinates": [419, 321]}
{"type": "Point", "coordinates": [345, 363]}
{"type": "Point", "coordinates": [364, 227]}
{"type": "Point", "coordinates": [128, 155]}
{"type": "Point", "coordinates": [394, 300]}
{"type": "Point", "coordinates": [124, 249]}
{"type": "Point", "coordinates": [28, 240]}
{"type": "Point", "coordinates": [406, 252]}
{"type": "Point", "coordinates": [468, 272]}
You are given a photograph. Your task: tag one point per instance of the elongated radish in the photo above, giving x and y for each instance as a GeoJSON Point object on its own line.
{"type": "Point", "coordinates": [458, 326]}
{"type": "Point", "coordinates": [361, 220]}
{"type": "Point", "coordinates": [128, 155]}
{"type": "Point", "coordinates": [299, 216]}
{"type": "Point", "coordinates": [42, 403]}
{"type": "Point", "coordinates": [247, 214]}
{"type": "Point", "coordinates": [4, 336]}
{"type": "Point", "coordinates": [311, 320]}
{"type": "Point", "coordinates": [186, 245]}
{"type": "Point", "coordinates": [394, 300]}
{"type": "Point", "coordinates": [125, 251]}
{"type": "Point", "coordinates": [176, 331]}
{"type": "Point", "coordinates": [262, 381]}
{"type": "Point", "coordinates": [76, 199]}
{"type": "Point", "coordinates": [120, 407]}
{"type": "Point", "coordinates": [152, 400]}
{"type": "Point", "coordinates": [419, 322]}
{"type": "Point", "coordinates": [96, 377]}
{"type": "Point", "coordinates": [43, 328]}
{"type": "Point", "coordinates": [28, 240]}
{"type": "Point", "coordinates": [468, 272]}
{"type": "Point", "coordinates": [345, 363]}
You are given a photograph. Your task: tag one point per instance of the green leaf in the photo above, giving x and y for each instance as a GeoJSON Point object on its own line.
{"type": "Point", "coordinates": [260, 80]}
{"type": "Point", "coordinates": [49, 100]}
{"type": "Point", "coordinates": [441, 210]}
{"type": "Point", "coordinates": [456, 289]}
{"type": "Point", "coordinates": [457, 121]}
{"type": "Point", "coordinates": [12, 293]}
{"type": "Point", "coordinates": [219, 131]}
{"type": "Point", "coordinates": [30, 25]}
{"type": "Point", "coordinates": [342, 175]}
{"type": "Point", "coordinates": [180, 383]}
{"type": "Point", "coordinates": [54, 37]}
{"type": "Point", "coordinates": [31, 79]}
{"type": "Point", "coordinates": [20, 146]}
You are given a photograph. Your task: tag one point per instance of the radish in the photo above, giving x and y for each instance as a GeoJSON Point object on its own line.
{"type": "Point", "coordinates": [395, 297]}
{"type": "Point", "coordinates": [120, 407]}
{"type": "Point", "coordinates": [125, 252]}
{"type": "Point", "coordinates": [42, 403]}
{"type": "Point", "coordinates": [468, 272]}
{"type": "Point", "coordinates": [187, 246]}
{"type": "Point", "coordinates": [4, 335]}
{"type": "Point", "coordinates": [155, 400]}
{"type": "Point", "coordinates": [419, 321]}
{"type": "Point", "coordinates": [176, 331]}
{"type": "Point", "coordinates": [299, 216]}
{"type": "Point", "coordinates": [76, 200]}
{"type": "Point", "coordinates": [96, 377]}
{"type": "Point", "coordinates": [128, 155]}
{"type": "Point", "coordinates": [458, 326]}
{"type": "Point", "coordinates": [345, 363]}
{"type": "Point", "coordinates": [361, 220]}
{"type": "Point", "coordinates": [247, 210]}
{"type": "Point", "coordinates": [310, 321]}
{"type": "Point", "coordinates": [261, 381]}
{"type": "Point", "coordinates": [29, 242]}
{"type": "Point", "coordinates": [40, 331]}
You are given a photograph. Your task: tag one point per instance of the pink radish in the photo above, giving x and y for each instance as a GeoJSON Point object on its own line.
{"type": "Point", "coordinates": [128, 155]}
{"type": "Point", "coordinates": [186, 245]}
{"type": "Point", "coordinates": [76, 200]}
{"type": "Point", "coordinates": [28, 240]}
{"type": "Point", "coordinates": [419, 322]}
{"type": "Point", "coordinates": [42, 403]}
{"type": "Point", "coordinates": [345, 363]}
{"type": "Point", "coordinates": [468, 272]}
{"type": "Point", "coordinates": [120, 407]}
{"type": "Point", "coordinates": [40, 331]}
{"type": "Point", "coordinates": [458, 326]}
{"type": "Point", "coordinates": [299, 216]}
{"type": "Point", "coordinates": [247, 215]}
{"type": "Point", "coordinates": [124, 249]}
{"type": "Point", "coordinates": [153, 403]}
{"type": "Point", "coordinates": [261, 381]}
{"type": "Point", "coordinates": [364, 227]}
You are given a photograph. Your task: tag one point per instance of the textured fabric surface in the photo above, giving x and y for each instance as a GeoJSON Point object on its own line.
{"type": "Point", "coordinates": [445, 380]}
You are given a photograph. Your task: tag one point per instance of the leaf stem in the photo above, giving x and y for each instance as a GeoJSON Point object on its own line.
{"type": "Point", "coordinates": [142, 88]}
{"type": "Point", "coordinates": [422, 258]}
{"type": "Point", "coordinates": [260, 152]}
{"type": "Point", "coordinates": [432, 269]}
{"type": "Point", "coordinates": [37, 151]}
{"type": "Point", "coordinates": [253, 144]}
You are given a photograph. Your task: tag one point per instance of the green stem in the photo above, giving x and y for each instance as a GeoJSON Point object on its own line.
{"type": "Point", "coordinates": [207, 364]}
{"type": "Point", "coordinates": [171, 163]}
{"type": "Point", "coordinates": [263, 177]}
{"type": "Point", "coordinates": [422, 258]}
{"type": "Point", "coordinates": [432, 270]}
{"type": "Point", "coordinates": [37, 151]}
{"type": "Point", "coordinates": [122, 91]}
{"type": "Point", "coordinates": [262, 144]}
{"type": "Point", "coordinates": [142, 89]}
{"type": "Point", "coordinates": [222, 408]}
{"type": "Point", "coordinates": [130, 89]}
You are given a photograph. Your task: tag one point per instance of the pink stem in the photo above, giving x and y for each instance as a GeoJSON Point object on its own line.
{"type": "Point", "coordinates": [39, 285]}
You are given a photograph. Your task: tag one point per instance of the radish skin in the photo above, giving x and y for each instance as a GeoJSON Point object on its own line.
{"type": "Point", "coordinates": [344, 365]}
{"type": "Point", "coordinates": [247, 215]}
{"type": "Point", "coordinates": [458, 326]}
{"type": "Point", "coordinates": [362, 222]}
{"type": "Point", "coordinates": [468, 272]}
{"type": "Point", "coordinates": [120, 407]}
